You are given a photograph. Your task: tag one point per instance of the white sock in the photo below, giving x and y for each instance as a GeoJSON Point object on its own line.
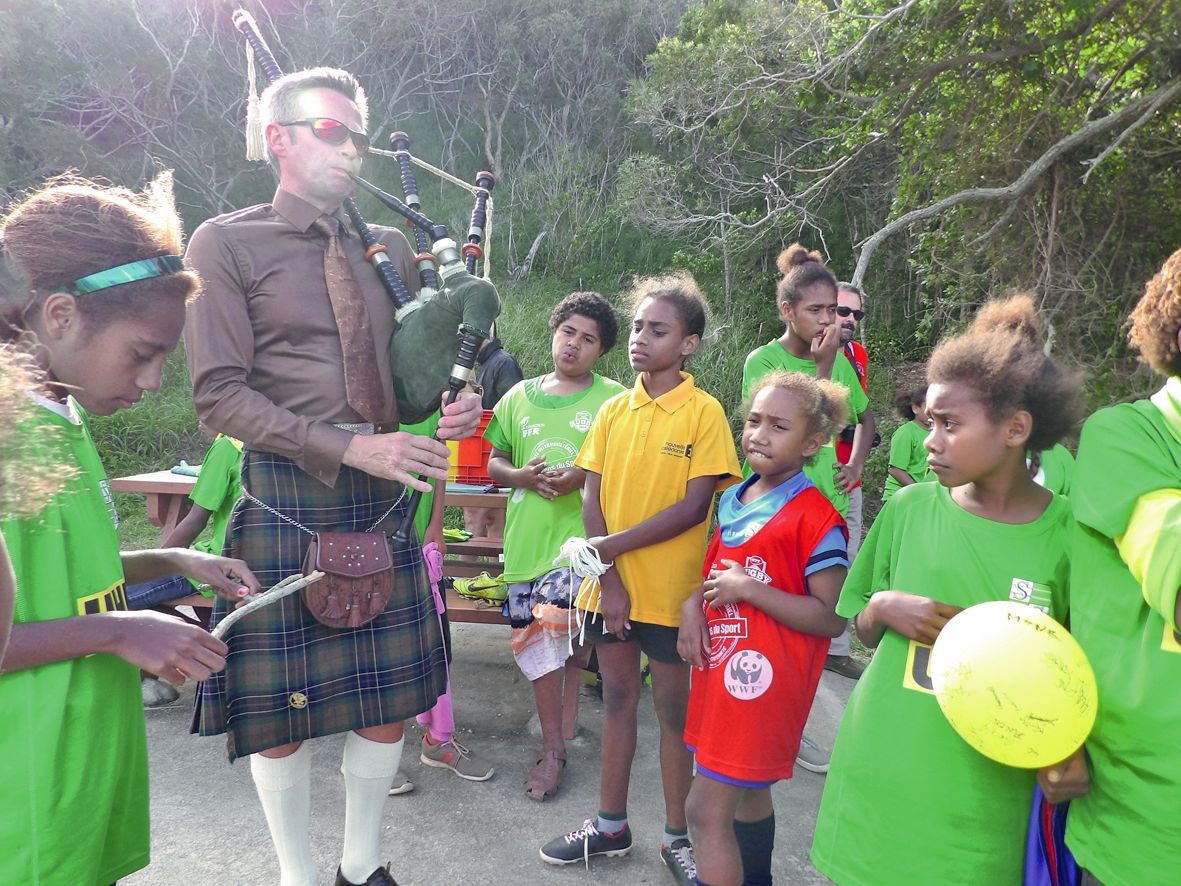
{"type": "Point", "coordinates": [369, 768]}
{"type": "Point", "coordinates": [284, 786]}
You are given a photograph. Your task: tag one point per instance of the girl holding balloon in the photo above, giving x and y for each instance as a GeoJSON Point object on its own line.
{"type": "Point", "coordinates": [907, 799]}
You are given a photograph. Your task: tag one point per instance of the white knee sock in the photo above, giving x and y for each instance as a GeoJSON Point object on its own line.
{"type": "Point", "coordinates": [284, 786]}
{"type": "Point", "coordinates": [369, 768]}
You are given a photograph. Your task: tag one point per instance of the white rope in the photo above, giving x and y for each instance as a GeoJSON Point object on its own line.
{"type": "Point", "coordinates": [584, 562]}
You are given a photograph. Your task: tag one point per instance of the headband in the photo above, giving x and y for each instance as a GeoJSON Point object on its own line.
{"type": "Point", "coordinates": [145, 269]}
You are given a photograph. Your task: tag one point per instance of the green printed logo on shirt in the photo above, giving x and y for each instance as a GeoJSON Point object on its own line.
{"type": "Point", "coordinates": [1036, 595]}
{"type": "Point", "coordinates": [582, 421]}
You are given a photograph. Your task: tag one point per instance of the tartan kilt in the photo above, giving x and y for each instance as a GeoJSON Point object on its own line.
{"type": "Point", "coordinates": [289, 678]}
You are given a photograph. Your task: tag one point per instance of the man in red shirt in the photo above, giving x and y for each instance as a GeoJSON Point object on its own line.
{"type": "Point", "coordinates": [849, 315]}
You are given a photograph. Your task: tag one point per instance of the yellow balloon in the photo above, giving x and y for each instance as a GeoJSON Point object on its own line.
{"type": "Point", "coordinates": [1014, 684]}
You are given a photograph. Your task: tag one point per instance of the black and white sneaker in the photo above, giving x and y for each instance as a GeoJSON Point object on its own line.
{"type": "Point", "coordinates": [581, 844]}
{"type": "Point", "coordinates": [679, 859]}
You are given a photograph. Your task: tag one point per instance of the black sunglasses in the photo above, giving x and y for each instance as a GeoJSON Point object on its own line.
{"type": "Point", "coordinates": [333, 131]}
{"type": "Point", "coordinates": [842, 311]}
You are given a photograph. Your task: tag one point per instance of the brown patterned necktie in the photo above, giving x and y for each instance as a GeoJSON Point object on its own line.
{"type": "Point", "coordinates": [362, 383]}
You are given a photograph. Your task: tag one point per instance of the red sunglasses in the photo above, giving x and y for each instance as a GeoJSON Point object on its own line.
{"type": "Point", "coordinates": [333, 131]}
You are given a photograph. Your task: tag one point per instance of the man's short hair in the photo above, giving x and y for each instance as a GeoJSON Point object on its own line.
{"type": "Point", "coordinates": [856, 290]}
{"type": "Point", "coordinates": [280, 100]}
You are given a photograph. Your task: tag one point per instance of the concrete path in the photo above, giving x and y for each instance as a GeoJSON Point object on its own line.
{"type": "Point", "coordinates": [208, 827]}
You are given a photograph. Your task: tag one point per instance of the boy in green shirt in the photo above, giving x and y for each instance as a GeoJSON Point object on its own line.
{"type": "Point", "coordinates": [1125, 573]}
{"type": "Point", "coordinates": [908, 458]}
{"type": "Point", "coordinates": [536, 432]}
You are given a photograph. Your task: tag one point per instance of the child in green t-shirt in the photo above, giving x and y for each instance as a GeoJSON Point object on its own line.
{"type": "Point", "coordinates": [906, 799]}
{"type": "Point", "coordinates": [536, 431]}
{"type": "Point", "coordinates": [1126, 611]}
{"type": "Point", "coordinates": [908, 458]}
{"type": "Point", "coordinates": [101, 317]}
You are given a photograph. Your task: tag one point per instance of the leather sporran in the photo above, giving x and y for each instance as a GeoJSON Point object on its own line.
{"type": "Point", "coordinates": [358, 577]}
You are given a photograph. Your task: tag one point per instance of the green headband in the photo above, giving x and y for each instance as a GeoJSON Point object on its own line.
{"type": "Point", "coordinates": [128, 273]}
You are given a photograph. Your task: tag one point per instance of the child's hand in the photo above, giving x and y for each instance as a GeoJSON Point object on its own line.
{"type": "Point", "coordinates": [566, 479]}
{"type": "Point", "coordinates": [693, 636]}
{"type": "Point", "coordinates": [616, 605]}
{"type": "Point", "coordinates": [1065, 780]}
{"type": "Point", "coordinates": [727, 585]}
{"type": "Point", "coordinates": [824, 349]}
{"type": "Point", "coordinates": [230, 579]}
{"type": "Point", "coordinates": [534, 475]}
{"type": "Point", "coordinates": [601, 544]}
{"type": "Point", "coordinates": [914, 617]}
{"type": "Point", "coordinates": [168, 647]}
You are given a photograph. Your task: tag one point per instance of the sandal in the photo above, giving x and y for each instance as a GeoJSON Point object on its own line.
{"type": "Point", "coordinates": [542, 782]}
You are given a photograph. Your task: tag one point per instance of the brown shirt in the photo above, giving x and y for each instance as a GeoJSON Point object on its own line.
{"type": "Point", "coordinates": [262, 343]}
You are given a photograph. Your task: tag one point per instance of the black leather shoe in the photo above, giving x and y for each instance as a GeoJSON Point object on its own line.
{"type": "Point", "coordinates": [844, 665]}
{"type": "Point", "coordinates": [380, 877]}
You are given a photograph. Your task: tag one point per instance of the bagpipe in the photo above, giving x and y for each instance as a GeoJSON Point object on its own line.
{"type": "Point", "coordinates": [440, 332]}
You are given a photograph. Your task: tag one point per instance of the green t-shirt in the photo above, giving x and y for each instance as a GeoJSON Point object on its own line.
{"type": "Point", "coordinates": [425, 428]}
{"type": "Point", "coordinates": [906, 800]}
{"type": "Point", "coordinates": [773, 357]}
{"type": "Point", "coordinates": [1057, 470]}
{"type": "Point", "coordinates": [907, 454]}
{"type": "Point", "coordinates": [1126, 830]}
{"type": "Point", "coordinates": [528, 422]}
{"type": "Point", "coordinates": [218, 488]}
{"type": "Point", "coordinates": [73, 751]}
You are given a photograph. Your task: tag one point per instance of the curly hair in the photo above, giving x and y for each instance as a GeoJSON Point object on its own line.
{"type": "Point", "coordinates": [27, 477]}
{"type": "Point", "coordinates": [1002, 359]}
{"type": "Point", "coordinates": [592, 306]}
{"type": "Point", "coordinates": [824, 402]}
{"type": "Point", "coordinates": [801, 268]}
{"type": "Point", "coordinates": [906, 401]}
{"type": "Point", "coordinates": [682, 292]}
{"type": "Point", "coordinates": [73, 227]}
{"type": "Point", "coordinates": [1156, 319]}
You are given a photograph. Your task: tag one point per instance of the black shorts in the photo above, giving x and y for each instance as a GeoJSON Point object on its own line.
{"type": "Point", "coordinates": [658, 642]}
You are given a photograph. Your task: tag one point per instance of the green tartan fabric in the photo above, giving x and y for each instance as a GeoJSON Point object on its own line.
{"type": "Point", "coordinates": [289, 678]}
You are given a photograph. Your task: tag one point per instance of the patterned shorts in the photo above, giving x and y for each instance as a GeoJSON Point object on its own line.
{"type": "Point", "coordinates": [542, 621]}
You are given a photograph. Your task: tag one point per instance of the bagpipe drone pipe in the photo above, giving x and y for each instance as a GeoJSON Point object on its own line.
{"type": "Point", "coordinates": [439, 333]}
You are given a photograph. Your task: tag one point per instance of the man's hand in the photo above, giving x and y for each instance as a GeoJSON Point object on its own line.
{"type": "Point", "coordinates": [566, 480]}
{"type": "Point", "coordinates": [168, 647]}
{"type": "Point", "coordinates": [230, 579]}
{"type": "Point", "coordinates": [914, 617]}
{"type": "Point", "coordinates": [400, 456]}
{"type": "Point", "coordinates": [825, 347]}
{"type": "Point", "coordinates": [534, 475]}
{"type": "Point", "coordinates": [727, 585]}
{"type": "Point", "coordinates": [846, 477]}
{"type": "Point", "coordinates": [693, 642]}
{"type": "Point", "coordinates": [461, 418]}
{"type": "Point", "coordinates": [1065, 780]}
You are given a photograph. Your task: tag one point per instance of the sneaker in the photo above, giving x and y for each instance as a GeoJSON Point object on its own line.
{"type": "Point", "coordinates": [157, 693]}
{"type": "Point", "coordinates": [581, 844]}
{"type": "Point", "coordinates": [678, 858]}
{"type": "Point", "coordinates": [493, 589]}
{"type": "Point", "coordinates": [811, 756]}
{"type": "Point", "coordinates": [845, 665]}
{"type": "Point", "coordinates": [454, 756]}
{"type": "Point", "coordinates": [401, 784]}
{"type": "Point", "coordinates": [380, 877]}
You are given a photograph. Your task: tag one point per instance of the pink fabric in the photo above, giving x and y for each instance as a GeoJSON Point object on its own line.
{"type": "Point", "coordinates": [439, 720]}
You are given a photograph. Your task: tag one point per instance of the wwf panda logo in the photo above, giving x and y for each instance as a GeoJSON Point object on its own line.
{"type": "Point", "coordinates": [748, 675]}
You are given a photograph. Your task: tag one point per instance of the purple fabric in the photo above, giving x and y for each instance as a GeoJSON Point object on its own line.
{"type": "Point", "coordinates": [1047, 860]}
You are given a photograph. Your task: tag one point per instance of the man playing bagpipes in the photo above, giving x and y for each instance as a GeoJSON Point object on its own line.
{"type": "Point", "coordinates": [288, 350]}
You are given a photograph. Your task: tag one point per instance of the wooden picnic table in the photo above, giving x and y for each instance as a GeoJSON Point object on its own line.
{"type": "Point", "coordinates": [167, 496]}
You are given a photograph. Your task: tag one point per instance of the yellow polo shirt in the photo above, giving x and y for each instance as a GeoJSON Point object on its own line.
{"type": "Point", "coordinates": [646, 452]}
